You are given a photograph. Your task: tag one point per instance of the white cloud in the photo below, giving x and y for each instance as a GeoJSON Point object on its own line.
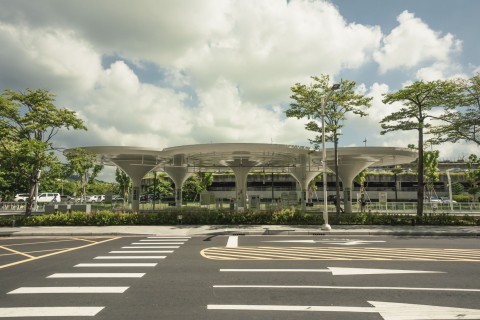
{"type": "Point", "coordinates": [412, 42]}
{"type": "Point", "coordinates": [35, 57]}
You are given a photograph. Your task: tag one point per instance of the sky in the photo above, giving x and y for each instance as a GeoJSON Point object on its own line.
{"type": "Point", "coordinates": [163, 73]}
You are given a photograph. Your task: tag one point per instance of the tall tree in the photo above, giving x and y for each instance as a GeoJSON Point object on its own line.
{"type": "Point", "coordinates": [123, 181]}
{"type": "Point", "coordinates": [473, 175]}
{"type": "Point", "coordinates": [29, 121]}
{"type": "Point", "coordinates": [419, 100]}
{"type": "Point", "coordinates": [82, 163]}
{"type": "Point", "coordinates": [461, 122]}
{"type": "Point", "coordinates": [430, 161]}
{"type": "Point", "coordinates": [308, 104]}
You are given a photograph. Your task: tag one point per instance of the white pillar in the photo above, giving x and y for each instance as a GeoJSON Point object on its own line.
{"type": "Point", "coordinates": [136, 173]}
{"type": "Point", "coordinates": [179, 174]}
{"type": "Point", "coordinates": [347, 171]}
{"type": "Point", "coordinates": [304, 174]}
{"type": "Point", "coordinates": [241, 168]}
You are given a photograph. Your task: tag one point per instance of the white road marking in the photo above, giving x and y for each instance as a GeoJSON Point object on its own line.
{"type": "Point", "coordinates": [50, 312]}
{"type": "Point", "coordinates": [153, 247]}
{"type": "Point", "coordinates": [358, 271]}
{"type": "Point", "coordinates": [96, 275]}
{"type": "Point", "coordinates": [172, 237]}
{"type": "Point", "coordinates": [274, 270]}
{"type": "Point", "coordinates": [161, 240]}
{"type": "Point", "coordinates": [130, 257]}
{"type": "Point", "coordinates": [348, 243]}
{"type": "Point", "coordinates": [143, 251]}
{"type": "Point", "coordinates": [116, 265]}
{"type": "Point", "coordinates": [336, 271]}
{"type": "Point", "coordinates": [23, 290]}
{"type": "Point", "coordinates": [342, 288]}
{"type": "Point", "coordinates": [387, 310]}
{"type": "Point", "coordinates": [156, 243]}
{"type": "Point", "coordinates": [232, 241]}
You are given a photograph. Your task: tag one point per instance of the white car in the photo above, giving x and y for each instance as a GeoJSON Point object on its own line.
{"type": "Point", "coordinates": [447, 200]}
{"type": "Point", "coordinates": [96, 198]}
{"type": "Point", "coordinates": [21, 197]}
{"type": "Point", "coordinates": [48, 197]}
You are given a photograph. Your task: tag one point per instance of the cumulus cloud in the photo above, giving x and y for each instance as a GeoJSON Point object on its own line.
{"type": "Point", "coordinates": [46, 56]}
{"type": "Point", "coordinates": [413, 42]}
{"type": "Point", "coordinates": [223, 68]}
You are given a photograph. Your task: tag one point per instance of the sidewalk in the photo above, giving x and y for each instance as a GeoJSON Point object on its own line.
{"type": "Point", "coordinates": [208, 230]}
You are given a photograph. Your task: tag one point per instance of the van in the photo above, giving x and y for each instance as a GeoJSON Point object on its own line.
{"type": "Point", "coordinates": [48, 197]}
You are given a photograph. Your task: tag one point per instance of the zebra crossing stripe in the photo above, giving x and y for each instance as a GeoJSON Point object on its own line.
{"type": "Point", "coordinates": [28, 290]}
{"type": "Point", "coordinates": [156, 243]}
{"type": "Point", "coordinates": [96, 275]}
{"type": "Point", "coordinates": [50, 312]}
{"type": "Point", "coordinates": [162, 240]}
{"type": "Point", "coordinates": [151, 247]}
{"type": "Point", "coordinates": [83, 265]}
{"type": "Point", "coordinates": [143, 251]}
{"type": "Point", "coordinates": [172, 237]}
{"type": "Point", "coordinates": [130, 257]}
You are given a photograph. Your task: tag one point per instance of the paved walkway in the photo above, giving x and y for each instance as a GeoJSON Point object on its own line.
{"type": "Point", "coordinates": [187, 230]}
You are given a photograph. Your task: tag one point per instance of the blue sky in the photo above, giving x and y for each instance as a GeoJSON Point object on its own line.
{"type": "Point", "coordinates": [166, 73]}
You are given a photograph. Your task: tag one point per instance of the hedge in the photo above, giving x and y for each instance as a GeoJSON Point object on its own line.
{"type": "Point", "coordinates": [223, 217]}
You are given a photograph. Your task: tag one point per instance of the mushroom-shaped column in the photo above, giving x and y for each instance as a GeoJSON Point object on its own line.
{"type": "Point", "coordinates": [304, 174]}
{"type": "Point", "coordinates": [179, 174]}
{"type": "Point", "coordinates": [241, 167]}
{"type": "Point", "coordinates": [348, 169]}
{"type": "Point", "coordinates": [136, 173]}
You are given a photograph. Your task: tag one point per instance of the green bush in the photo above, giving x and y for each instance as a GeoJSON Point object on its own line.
{"type": "Point", "coordinates": [199, 216]}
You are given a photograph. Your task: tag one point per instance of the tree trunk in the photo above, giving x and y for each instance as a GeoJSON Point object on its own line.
{"type": "Point", "coordinates": [421, 184]}
{"type": "Point", "coordinates": [337, 184]}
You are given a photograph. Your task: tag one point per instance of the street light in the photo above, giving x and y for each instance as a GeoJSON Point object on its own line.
{"type": "Point", "coordinates": [450, 185]}
{"type": "Point", "coordinates": [326, 226]}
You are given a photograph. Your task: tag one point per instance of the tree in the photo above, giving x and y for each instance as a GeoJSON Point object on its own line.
{"type": "Point", "coordinates": [463, 121]}
{"type": "Point", "coordinates": [430, 160]}
{"type": "Point", "coordinates": [473, 175]}
{"type": "Point", "coordinates": [123, 181]}
{"type": "Point", "coordinates": [308, 103]}
{"type": "Point", "coordinates": [418, 99]}
{"type": "Point", "coordinates": [29, 121]}
{"type": "Point", "coordinates": [82, 163]}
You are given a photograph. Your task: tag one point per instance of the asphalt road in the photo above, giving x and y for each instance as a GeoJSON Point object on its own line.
{"type": "Point", "coordinates": [245, 277]}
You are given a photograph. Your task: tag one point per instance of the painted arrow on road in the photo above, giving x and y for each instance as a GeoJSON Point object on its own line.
{"type": "Point", "coordinates": [387, 310]}
{"type": "Point", "coordinates": [348, 243]}
{"type": "Point", "coordinates": [335, 271]}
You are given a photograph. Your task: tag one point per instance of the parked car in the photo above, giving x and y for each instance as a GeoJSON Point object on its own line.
{"type": "Point", "coordinates": [96, 198]}
{"type": "Point", "coordinates": [434, 199]}
{"type": "Point", "coordinates": [447, 200]}
{"type": "Point", "coordinates": [21, 197]}
{"type": "Point", "coordinates": [117, 198]}
{"type": "Point", "coordinates": [65, 198]}
{"type": "Point", "coordinates": [48, 197]}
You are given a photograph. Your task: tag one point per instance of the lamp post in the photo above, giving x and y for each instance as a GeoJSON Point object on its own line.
{"type": "Point", "coordinates": [326, 226]}
{"type": "Point", "coordinates": [450, 185]}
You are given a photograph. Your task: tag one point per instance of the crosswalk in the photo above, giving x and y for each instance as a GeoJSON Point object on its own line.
{"type": "Point", "coordinates": [335, 253]}
{"type": "Point", "coordinates": [125, 257]}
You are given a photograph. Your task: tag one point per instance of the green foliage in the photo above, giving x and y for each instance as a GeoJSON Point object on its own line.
{"type": "Point", "coordinates": [419, 100]}
{"type": "Point", "coordinates": [473, 175]}
{"type": "Point", "coordinates": [199, 216]}
{"type": "Point", "coordinates": [123, 181]}
{"type": "Point", "coordinates": [463, 122]}
{"type": "Point", "coordinates": [28, 123]}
